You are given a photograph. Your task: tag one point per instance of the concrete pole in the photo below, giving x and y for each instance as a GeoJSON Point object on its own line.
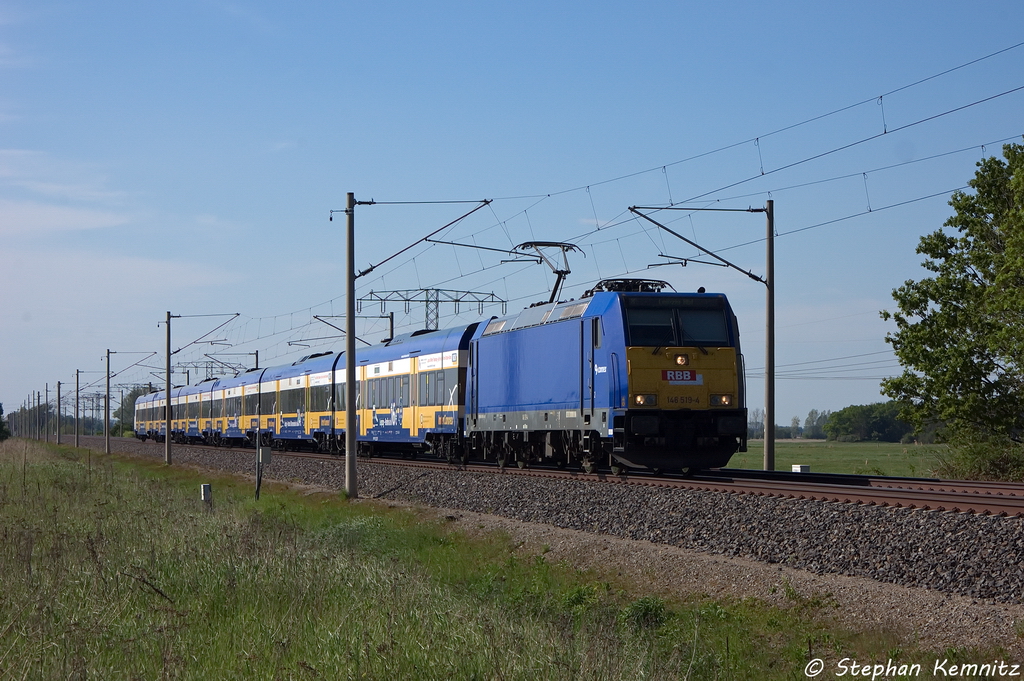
{"type": "Point", "coordinates": [167, 395]}
{"type": "Point", "coordinates": [106, 410]}
{"type": "Point", "coordinates": [58, 412]}
{"type": "Point", "coordinates": [351, 484]}
{"type": "Point", "coordinates": [769, 343]}
{"type": "Point", "coordinates": [46, 415]}
{"type": "Point", "coordinates": [77, 373]}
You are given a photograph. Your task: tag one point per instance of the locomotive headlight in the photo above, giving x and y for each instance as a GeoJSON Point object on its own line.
{"type": "Point", "coordinates": [721, 400]}
{"type": "Point", "coordinates": [645, 400]}
{"type": "Point", "coordinates": [682, 360]}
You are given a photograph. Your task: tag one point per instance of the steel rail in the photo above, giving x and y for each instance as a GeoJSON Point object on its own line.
{"type": "Point", "coordinates": [961, 496]}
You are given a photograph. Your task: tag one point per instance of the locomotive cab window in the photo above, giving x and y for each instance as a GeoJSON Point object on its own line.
{"type": "Point", "coordinates": [677, 322]}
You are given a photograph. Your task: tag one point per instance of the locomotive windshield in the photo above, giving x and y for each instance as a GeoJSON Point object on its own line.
{"type": "Point", "coordinates": [676, 322]}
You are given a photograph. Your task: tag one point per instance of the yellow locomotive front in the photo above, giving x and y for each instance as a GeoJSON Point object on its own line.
{"type": "Point", "coordinates": [684, 372]}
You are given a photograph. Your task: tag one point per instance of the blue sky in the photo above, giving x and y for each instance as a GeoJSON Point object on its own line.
{"type": "Point", "coordinates": [185, 157]}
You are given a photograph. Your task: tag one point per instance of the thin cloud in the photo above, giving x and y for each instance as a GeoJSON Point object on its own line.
{"type": "Point", "coordinates": [29, 217]}
{"type": "Point", "coordinates": [44, 176]}
{"type": "Point", "coordinates": [9, 59]}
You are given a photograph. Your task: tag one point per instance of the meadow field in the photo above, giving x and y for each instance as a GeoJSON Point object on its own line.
{"type": "Point", "coordinates": [864, 458]}
{"type": "Point", "coordinates": [113, 568]}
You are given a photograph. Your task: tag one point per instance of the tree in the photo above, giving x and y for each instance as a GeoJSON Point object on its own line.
{"type": "Point", "coordinates": [960, 333]}
{"type": "Point", "coordinates": [879, 422]}
{"type": "Point", "coordinates": [125, 414]}
{"type": "Point", "coordinates": [755, 424]}
{"type": "Point", "coordinates": [4, 431]}
{"type": "Point", "coordinates": [794, 427]}
{"type": "Point", "coordinates": [814, 424]}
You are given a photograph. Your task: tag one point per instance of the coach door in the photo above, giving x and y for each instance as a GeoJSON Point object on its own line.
{"type": "Point", "coordinates": [589, 332]}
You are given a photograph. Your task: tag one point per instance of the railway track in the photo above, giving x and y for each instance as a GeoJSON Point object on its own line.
{"type": "Point", "coordinates": [962, 496]}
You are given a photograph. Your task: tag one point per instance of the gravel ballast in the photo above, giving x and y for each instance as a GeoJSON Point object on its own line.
{"type": "Point", "coordinates": [950, 554]}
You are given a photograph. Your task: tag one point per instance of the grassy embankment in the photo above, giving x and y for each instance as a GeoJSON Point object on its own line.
{"type": "Point", "coordinates": [113, 568]}
{"type": "Point", "coordinates": [868, 458]}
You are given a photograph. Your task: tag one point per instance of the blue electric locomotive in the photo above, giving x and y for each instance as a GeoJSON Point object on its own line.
{"type": "Point", "coordinates": [625, 376]}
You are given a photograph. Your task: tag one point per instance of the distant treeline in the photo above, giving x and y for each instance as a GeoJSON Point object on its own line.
{"type": "Point", "coordinates": [877, 422]}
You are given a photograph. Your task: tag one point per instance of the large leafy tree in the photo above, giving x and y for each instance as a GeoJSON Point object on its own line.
{"type": "Point", "coordinates": [960, 332]}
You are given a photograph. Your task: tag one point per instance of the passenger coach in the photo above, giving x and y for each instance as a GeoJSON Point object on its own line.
{"type": "Point", "coordinates": [627, 376]}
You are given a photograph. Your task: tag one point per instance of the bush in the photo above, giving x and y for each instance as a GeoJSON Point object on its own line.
{"type": "Point", "coordinates": [977, 457]}
{"type": "Point", "coordinates": [645, 613]}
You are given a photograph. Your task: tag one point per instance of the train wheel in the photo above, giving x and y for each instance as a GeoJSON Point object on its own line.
{"type": "Point", "coordinates": [618, 470]}
{"type": "Point", "coordinates": [523, 463]}
{"type": "Point", "coordinates": [588, 467]}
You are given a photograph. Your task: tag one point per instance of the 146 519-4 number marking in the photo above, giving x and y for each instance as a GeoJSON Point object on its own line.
{"type": "Point", "coordinates": [683, 399]}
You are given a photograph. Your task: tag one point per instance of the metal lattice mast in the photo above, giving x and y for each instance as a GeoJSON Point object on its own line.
{"type": "Point", "coordinates": [432, 298]}
{"type": "Point", "coordinates": [433, 301]}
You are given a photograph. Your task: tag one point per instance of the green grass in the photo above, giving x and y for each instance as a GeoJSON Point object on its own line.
{"type": "Point", "coordinates": [113, 568]}
{"type": "Point", "coordinates": [866, 458]}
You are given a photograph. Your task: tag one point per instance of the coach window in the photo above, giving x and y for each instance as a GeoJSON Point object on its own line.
{"type": "Point", "coordinates": [252, 403]}
{"type": "Point", "coordinates": [404, 391]}
{"type": "Point", "coordinates": [451, 382]}
{"type": "Point", "coordinates": [319, 398]}
{"type": "Point", "coordinates": [291, 400]}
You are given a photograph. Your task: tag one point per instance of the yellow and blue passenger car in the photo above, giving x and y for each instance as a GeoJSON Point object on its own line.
{"type": "Point", "coordinates": [627, 376]}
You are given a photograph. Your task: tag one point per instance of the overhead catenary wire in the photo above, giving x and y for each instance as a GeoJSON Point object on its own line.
{"type": "Point", "coordinates": [777, 131]}
{"type": "Point", "coordinates": [604, 226]}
